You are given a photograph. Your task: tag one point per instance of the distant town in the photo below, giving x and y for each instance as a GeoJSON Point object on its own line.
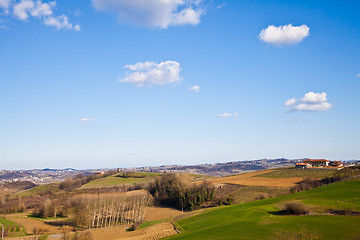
{"type": "Point", "coordinates": [44, 176]}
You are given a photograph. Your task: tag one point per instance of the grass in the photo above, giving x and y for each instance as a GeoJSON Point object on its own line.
{"type": "Point", "coordinates": [116, 180]}
{"type": "Point", "coordinates": [150, 223]}
{"type": "Point", "coordinates": [37, 190]}
{"type": "Point", "coordinates": [258, 219]}
{"type": "Point", "coordinates": [251, 193]}
{"type": "Point", "coordinates": [292, 172]}
{"type": "Point", "coordinates": [139, 174]}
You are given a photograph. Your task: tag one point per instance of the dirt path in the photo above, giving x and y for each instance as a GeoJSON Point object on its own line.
{"type": "Point", "coordinates": [250, 179]}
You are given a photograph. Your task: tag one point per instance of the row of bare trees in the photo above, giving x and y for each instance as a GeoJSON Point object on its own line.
{"type": "Point", "coordinates": [104, 210]}
{"type": "Point", "coordinates": [13, 206]}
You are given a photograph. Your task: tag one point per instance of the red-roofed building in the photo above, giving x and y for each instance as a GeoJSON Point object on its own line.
{"type": "Point", "coordinates": [317, 162]}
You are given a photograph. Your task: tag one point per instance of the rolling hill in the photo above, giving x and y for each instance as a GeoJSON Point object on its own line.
{"type": "Point", "coordinates": [262, 219]}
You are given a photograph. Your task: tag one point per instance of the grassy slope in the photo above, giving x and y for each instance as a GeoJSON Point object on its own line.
{"type": "Point", "coordinates": [292, 172]}
{"type": "Point", "coordinates": [37, 190]}
{"type": "Point", "coordinates": [114, 180]}
{"type": "Point", "coordinates": [255, 220]}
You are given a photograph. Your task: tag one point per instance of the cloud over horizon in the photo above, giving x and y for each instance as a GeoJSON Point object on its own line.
{"type": "Point", "coordinates": [154, 13]}
{"type": "Point", "coordinates": [151, 73]}
{"type": "Point", "coordinates": [311, 102]}
{"type": "Point", "coordinates": [87, 119]}
{"type": "Point", "coordinates": [227, 115]}
{"type": "Point", "coordinates": [195, 88]}
{"type": "Point", "coordinates": [284, 35]}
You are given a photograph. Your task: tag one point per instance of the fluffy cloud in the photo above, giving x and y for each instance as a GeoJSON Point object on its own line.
{"type": "Point", "coordinates": [154, 13]}
{"type": "Point", "coordinates": [194, 88]}
{"type": "Point", "coordinates": [151, 73]}
{"type": "Point", "coordinates": [227, 115]}
{"type": "Point", "coordinates": [311, 102]}
{"type": "Point", "coordinates": [284, 35]}
{"type": "Point", "coordinates": [87, 120]}
{"type": "Point", "coordinates": [26, 8]}
{"type": "Point", "coordinates": [358, 75]}
{"type": "Point", "coordinates": [60, 22]}
{"type": "Point", "coordinates": [35, 9]}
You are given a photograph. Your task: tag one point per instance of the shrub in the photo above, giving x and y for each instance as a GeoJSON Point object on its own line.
{"type": "Point", "coordinates": [86, 235]}
{"type": "Point", "coordinates": [295, 208]}
{"type": "Point", "coordinates": [66, 231]}
{"type": "Point", "coordinates": [40, 230]}
{"type": "Point", "coordinates": [261, 196]}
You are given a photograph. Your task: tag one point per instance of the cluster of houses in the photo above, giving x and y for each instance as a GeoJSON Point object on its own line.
{"type": "Point", "coordinates": [318, 163]}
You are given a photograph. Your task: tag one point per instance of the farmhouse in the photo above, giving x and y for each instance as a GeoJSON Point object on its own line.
{"type": "Point", "coordinates": [317, 162]}
{"type": "Point", "coordinates": [302, 166]}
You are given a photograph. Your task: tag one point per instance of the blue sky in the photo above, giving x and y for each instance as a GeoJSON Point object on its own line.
{"type": "Point", "coordinates": [100, 83]}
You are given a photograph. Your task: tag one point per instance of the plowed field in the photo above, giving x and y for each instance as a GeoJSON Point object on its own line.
{"type": "Point", "coordinates": [251, 179]}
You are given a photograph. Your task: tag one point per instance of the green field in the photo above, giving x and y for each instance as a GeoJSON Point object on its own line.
{"type": "Point", "coordinates": [37, 190]}
{"type": "Point", "coordinates": [292, 172]}
{"type": "Point", "coordinates": [251, 193]}
{"type": "Point", "coordinates": [261, 219]}
{"type": "Point", "coordinates": [117, 180]}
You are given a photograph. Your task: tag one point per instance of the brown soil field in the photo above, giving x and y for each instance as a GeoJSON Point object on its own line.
{"type": "Point", "coordinates": [30, 223]}
{"type": "Point", "coordinates": [119, 232]}
{"type": "Point", "coordinates": [250, 179]}
{"type": "Point", "coordinates": [153, 232]}
{"type": "Point", "coordinates": [157, 213]}
{"type": "Point", "coordinates": [24, 238]}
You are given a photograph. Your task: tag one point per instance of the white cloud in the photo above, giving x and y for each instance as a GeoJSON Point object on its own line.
{"type": "Point", "coordinates": [186, 16]}
{"type": "Point", "coordinates": [22, 9]}
{"type": "Point", "coordinates": [290, 102]}
{"type": "Point", "coordinates": [60, 22]}
{"type": "Point", "coordinates": [358, 75]}
{"type": "Point", "coordinates": [311, 102]}
{"type": "Point", "coordinates": [42, 9]}
{"type": "Point", "coordinates": [141, 66]}
{"type": "Point", "coordinates": [4, 4]}
{"type": "Point", "coordinates": [151, 73]}
{"type": "Point", "coordinates": [154, 13]}
{"type": "Point", "coordinates": [87, 120]}
{"type": "Point", "coordinates": [38, 9]}
{"type": "Point", "coordinates": [284, 35]}
{"type": "Point", "coordinates": [312, 97]}
{"type": "Point", "coordinates": [194, 88]}
{"type": "Point", "coordinates": [35, 9]}
{"type": "Point", "coordinates": [77, 28]}
{"type": "Point", "coordinates": [227, 115]}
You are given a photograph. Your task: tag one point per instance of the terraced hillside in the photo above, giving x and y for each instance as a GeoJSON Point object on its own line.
{"type": "Point", "coordinates": [263, 219]}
